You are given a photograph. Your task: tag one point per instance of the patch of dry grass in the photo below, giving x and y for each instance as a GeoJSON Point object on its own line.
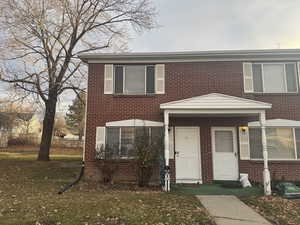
{"type": "Point", "coordinates": [34, 149]}
{"type": "Point", "coordinates": [28, 196]}
{"type": "Point", "coordinates": [276, 209]}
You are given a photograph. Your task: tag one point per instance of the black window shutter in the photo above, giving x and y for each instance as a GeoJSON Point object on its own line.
{"type": "Point", "coordinates": [119, 79]}
{"type": "Point", "coordinates": [150, 81]}
{"type": "Point", "coordinates": [256, 149]}
{"type": "Point", "coordinates": [291, 78]}
{"type": "Point", "coordinates": [257, 78]}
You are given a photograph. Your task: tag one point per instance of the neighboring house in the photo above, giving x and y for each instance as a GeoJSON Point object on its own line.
{"type": "Point", "coordinates": [217, 107]}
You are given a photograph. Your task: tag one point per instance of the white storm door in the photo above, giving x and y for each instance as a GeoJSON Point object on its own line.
{"type": "Point", "coordinates": [225, 157]}
{"type": "Point", "coordinates": [187, 157]}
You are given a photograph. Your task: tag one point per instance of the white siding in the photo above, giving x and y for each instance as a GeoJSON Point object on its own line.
{"type": "Point", "coordinates": [276, 123]}
{"type": "Point", "coordinates": [298, 70]}
{"type": "Point", "coordinates": [108, 79]}
{"type": "Point", "coordinates": [100, 138]}
{"type": "Point", "coordinates": [244, 144]}
{"type": "Point", "coordinates": [160, 78]}
{"type": "Point", "coordinates": [171, 143]}
{"type": "Point", "coordinates": [248, 77]}
{"type": "Point", "coordinates": [215, 101]}
{"type": "Point", "coordinates": [134, 123]}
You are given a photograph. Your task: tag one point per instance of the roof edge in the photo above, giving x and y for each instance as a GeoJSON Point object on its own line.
{"type": "Point", "coordinates": [264, 105]}
{"type": "Point", "coordinates": [229, 55]}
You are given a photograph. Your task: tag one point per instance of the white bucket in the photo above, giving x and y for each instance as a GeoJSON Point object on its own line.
{"type": "Point", "coordinates": [244, 180]}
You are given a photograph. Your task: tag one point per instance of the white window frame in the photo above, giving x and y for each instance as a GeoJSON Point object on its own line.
{"type": "Point", "coordinates": [120, 138]}
{"type": "Point", "coordinates": [281, 159]}
{"type": "Point", "coordinates": [124, 75]}
{"type": "Point", "coordinates": [285, 81]}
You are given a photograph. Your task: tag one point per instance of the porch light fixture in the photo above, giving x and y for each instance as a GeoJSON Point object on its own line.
{"type": "Point", "coordinates": [244, 128]}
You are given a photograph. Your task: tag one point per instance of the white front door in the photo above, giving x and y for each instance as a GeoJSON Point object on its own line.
{"type": "Point", "coordinates": [225, 158]}
{"type": "Point", "coordinates": [187, 157]}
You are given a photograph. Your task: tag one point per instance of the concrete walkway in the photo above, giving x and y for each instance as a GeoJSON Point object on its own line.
{"type": "Point", "coordinates": [229, 210]}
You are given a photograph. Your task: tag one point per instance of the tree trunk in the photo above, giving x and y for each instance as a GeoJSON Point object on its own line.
{"type": "Point", "coordinates": [48, 124]}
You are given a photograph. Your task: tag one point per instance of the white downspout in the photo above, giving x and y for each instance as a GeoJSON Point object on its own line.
{"type": "Point", "coordinates": [85, 116]}
{"type": "Point", "coordinates": [266, 172]}
{"type": "Point", "coordinates": [167, 167]}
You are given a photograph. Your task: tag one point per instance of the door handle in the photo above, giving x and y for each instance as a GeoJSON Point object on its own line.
{"type": "Point", "coordinates": [176, 153]}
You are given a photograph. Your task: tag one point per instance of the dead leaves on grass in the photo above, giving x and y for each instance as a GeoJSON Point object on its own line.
{"type": "Point", "coordinates": [278, 210]}
{"type": "Point", "coordinates": [28, 197]}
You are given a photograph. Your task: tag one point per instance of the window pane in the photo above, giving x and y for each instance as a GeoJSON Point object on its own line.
{"type": "Point", "coordinates": [127, 140]}
{"type": "Point", "coordinates": [224, 141]}
{"type": "Point", "coordinates": [255, 143]}
{"type": "Point", "coordinates": [257, 78]}
{"type": "Point", "coordinates": [274, 78]}
{"type": "Point", "coordinates": [150, 79]}
{"type": "Point", "coordinates": [112, 142]}
{"type": "Point", "coordinates": [157, 135]}
{"type": "Point", "coordinates": [142, 135]}
{"type": "Point", "coordinates": [135, 79]}
{"type": "Point", "coordinates": [297, 134]}
{"type": "Point", "coordinates": [280, 142]}
{"type": "Point", "coordinates": [291, 77]}
{"type": "Point", "coordinates": [119, 79]}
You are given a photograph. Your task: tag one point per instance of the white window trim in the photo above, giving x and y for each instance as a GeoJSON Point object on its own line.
{"type": "Point", "coordinates": [120, 139]}
{"type": "Point", "coordinates": [134, 123]}
{"type": "Point", "coordinates": [120, 144]}
{"type": "Point", "coordinates": [281, 159]}
{"type": "Point", "coordinates": [124, 75]}
{"type": "Point", "coordinates": [285, 81]}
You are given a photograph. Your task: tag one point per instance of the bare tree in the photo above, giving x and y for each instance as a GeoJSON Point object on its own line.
{"type": "Point", "coordinates": [25, 120]}
{"type": "Point", "coordinates": [16, 114]}
{"type": "Point", "coordinates": [43, 38]}
{"type": "Point", "coordinates": [60, 127]}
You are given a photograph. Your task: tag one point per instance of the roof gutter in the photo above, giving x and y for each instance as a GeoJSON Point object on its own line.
{"type": "Point", "coordinates": [192, 56]}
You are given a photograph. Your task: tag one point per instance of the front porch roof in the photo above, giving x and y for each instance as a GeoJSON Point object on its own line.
{"type": "Point", "coordinates": [276, 123]}
{"type": "Point", "coordinates": [215, 101]}
{"type": "Point", "coordinates": [211, 105]}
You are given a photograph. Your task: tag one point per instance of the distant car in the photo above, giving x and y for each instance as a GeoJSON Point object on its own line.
{"type": "Point", "coordinates": [288, 190]}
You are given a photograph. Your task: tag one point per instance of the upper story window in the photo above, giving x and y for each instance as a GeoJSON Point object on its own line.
{"type": "Point", "coordinates": [134, 79]}
{"type": "Point", "coordinates": [270, 77]}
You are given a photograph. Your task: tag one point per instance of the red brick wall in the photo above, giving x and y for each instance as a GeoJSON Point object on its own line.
{"type": "Point", "coordinates": [279, 170]}
{"type": "Point", "coordinates": [183, 80]}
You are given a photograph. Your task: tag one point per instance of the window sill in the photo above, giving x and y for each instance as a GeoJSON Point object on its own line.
{"type": "Point", "coordinates": [134, 96]}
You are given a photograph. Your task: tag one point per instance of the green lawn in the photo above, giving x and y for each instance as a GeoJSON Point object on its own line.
{"type": "Point", "coordinates": [28, 196]}
{"type": "Point", "coordinates": [217, 189]}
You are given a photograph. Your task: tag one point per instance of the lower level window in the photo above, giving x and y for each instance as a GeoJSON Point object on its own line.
{"type": "Point", "coordinates": [282, 143]}
{"type": "Point", "coordinates": [121, 141]}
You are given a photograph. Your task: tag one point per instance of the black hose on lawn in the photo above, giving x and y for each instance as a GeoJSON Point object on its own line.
{"type": "Point", "coordinates": [75, 182]}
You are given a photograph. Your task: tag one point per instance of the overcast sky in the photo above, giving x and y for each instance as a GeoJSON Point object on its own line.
{"type": "Point", "coordinates": [222, 24]}
{"type": "Point", "coordinates": [218, 24]}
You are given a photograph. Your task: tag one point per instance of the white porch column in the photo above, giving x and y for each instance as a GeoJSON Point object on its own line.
{"type": "Point", "coordinates": [167, 170]}
{"type": "Point", "coordinates": [266, 172]}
